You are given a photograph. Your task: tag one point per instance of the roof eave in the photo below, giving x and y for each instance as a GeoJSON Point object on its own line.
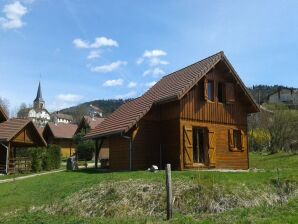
{"type": "Point", "coordinates": [103, 135]}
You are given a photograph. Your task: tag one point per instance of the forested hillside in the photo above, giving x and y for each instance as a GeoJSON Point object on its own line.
{"type": "Point", "coordinates": [261, 92]}
{"type": "Point", "coordinates": [108, 106]}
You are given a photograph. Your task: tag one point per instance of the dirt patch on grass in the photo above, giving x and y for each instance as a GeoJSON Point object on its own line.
{"type": "Point", "coordinates": [137, 198]}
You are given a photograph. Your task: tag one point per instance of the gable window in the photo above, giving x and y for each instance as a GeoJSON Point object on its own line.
{"type": "Point", "coordinates": [210, 90]}
{"type": "Point", "coordinates": [220, 92]}
{"type": "Point", "coordinates": [230, 92]}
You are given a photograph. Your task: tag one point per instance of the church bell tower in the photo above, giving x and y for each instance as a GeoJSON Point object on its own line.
{"type": "Point", "coordinates": [39, 103]}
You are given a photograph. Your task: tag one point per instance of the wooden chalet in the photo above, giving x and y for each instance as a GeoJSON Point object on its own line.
{"type": "Point", "coordinates": [87, 124]}
{"type": "Point", "coordinates": [14, 134]}
{"type": "Point", "coordinates": [193, 118]}
{"type": "Point", "coordinates": [62, 135]}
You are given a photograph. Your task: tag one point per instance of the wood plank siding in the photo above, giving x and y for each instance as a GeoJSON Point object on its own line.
{"type": "Point", "coordinates": [193, 118]}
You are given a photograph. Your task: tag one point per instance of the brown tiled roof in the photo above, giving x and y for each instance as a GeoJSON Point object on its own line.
{"type": "Point", "coordinates": [93, 122]}
{"type": "Point", "coordinates": [10, 128]}
{"type": "Point", "coordinates": [40, 130]}
{"type": "Point", "coordinates": [170, 87]}
{"type": "Point", "coordinates": [62, 130]}
{"type": "Point", "coordinates": [3, 115]}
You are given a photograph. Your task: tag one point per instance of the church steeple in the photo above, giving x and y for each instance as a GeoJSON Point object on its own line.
{"type": "Point", "coordinates": [39, 102]}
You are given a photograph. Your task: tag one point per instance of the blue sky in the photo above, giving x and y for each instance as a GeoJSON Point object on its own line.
{"type": "Point", "coordinates": [89, 49]}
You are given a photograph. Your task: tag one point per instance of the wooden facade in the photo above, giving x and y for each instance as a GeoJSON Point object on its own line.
{"type": "Point", "coordinates": [15, 134]}
{"type": "Point", "coordinates": [205, 128]}
{"type": "Point", "coordinates": [62, 135]}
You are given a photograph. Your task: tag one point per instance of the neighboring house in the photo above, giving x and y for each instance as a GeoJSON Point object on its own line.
{"type": "Point", "coordinates": [287, 96]}
{"type": "Point", "coordinates": [17, 133]}
{"type": "Point", "coordinates": [193, 118]}
{"type": "Point", "coordinates": [94, 111]}
{"type": "Point", "coordinates": [87, 124]}
{"type": "Point", "coordinates": [58, 117]}
{"type": "Point", "coordinates": [38, 113]}
{"type": "Point", "coordinates": [61, 135]}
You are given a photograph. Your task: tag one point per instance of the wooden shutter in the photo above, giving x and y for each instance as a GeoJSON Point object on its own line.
{"type": "Point", "coordinates": [212, 147]}
{"type": "Point", "coordinates": [230, 92]}
{"type": "Point", "coordinates": [188, 146]}
{"type": "Point", "coordinates": [231, 139]}
{"type": "Point", "coordinates": [205, 89]}
{"type": "Point", "coordinates": [243, 140]}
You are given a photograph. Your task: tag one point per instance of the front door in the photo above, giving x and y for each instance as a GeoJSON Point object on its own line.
{"type": "Point", "coordinates": [198, 145]}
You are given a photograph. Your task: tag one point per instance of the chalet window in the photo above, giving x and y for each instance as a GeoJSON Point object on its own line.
{"type": "Point", "coordinates": [236, 140]}
{"type": "Point", "coordinates": [210, 90]}
{"type": "Point", "coordinates": [230, 93]}
{"type": "Point", "coordinates": [220, 93]}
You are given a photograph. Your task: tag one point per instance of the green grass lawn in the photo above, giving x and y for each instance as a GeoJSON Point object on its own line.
{"type": "Point", "coordinates": [45, 199]}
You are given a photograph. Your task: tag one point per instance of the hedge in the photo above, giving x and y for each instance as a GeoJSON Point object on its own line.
{"type": "Point", "coordinates": [45, 158]}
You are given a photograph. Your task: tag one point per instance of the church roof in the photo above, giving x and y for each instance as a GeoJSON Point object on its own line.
{"type": "Point", "coordinates": [39, 94]}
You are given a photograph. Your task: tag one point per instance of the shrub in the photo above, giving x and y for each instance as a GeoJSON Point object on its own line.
{"type": "Point", "coordinates": [259, 139]}
{"type": "Point", "coordinates": [85, 150]}
{"type": "Point", "coordinates": [45, 158]}
{"type": "Point", "coordinates": [54, 153]}
{"type": "Point", "coordinates": [36, 156]}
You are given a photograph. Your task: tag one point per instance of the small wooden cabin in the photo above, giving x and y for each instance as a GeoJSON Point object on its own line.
{"type": "Point", "coordinates": [193, 118]}
{"type": "Point", "coordinates": [87, 124]}
{"type": "Point", "coordinates": [16, 134]}
{"type": "Point", "coordinates": [62, 135]}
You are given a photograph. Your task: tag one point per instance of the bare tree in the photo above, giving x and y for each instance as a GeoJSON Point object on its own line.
{"type": "Point", "coordinates": [4, 103]}
{"type": "Point", "coordinates": [22, 112]}
{"type": "Point", "coordinates": [282, 129]}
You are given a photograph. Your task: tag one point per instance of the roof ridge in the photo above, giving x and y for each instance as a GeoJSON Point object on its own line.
{"type": "Point", "coordinates": [218, 53]}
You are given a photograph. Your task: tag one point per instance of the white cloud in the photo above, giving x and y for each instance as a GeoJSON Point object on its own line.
{"type": "Point", "coordinates": [79, 43]}
{"type": "Point", "coordinates": [108, 68]}
{"type": "Point", "coordinates": [98, 43]}
{"type": "Point", "coordinates": [14, 13]}
{"type": "Point", "coordinates": [132, 85]}
{"type": "Point", "coordinates": [140, 61]}
{"type": "Point", "coordinates": [154, 53]}
{"type": "Point", "coordinates": [103, 42]}
{"type": "Point", "coordinates": [69, 97]}
{"type": "Point", "coordinates": [155, 72]}
{"type": "Point", "coordinates": [113, 82]}
{"type": "Point", "coordinates": [93, 54]}
{"type": "Point", "coordinates": [126, 95]}
{"type": "Point", "coordinates": [150, 84]}
{"type": "Point", "coordinates": [62, 101]}
{"type": "Point", "coordinates": [156, 61]}
{"type": "Point", "coordinates": [153, 58]}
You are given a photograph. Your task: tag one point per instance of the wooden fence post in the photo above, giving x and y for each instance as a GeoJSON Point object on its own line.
{"type": "Point", "coordinates": [169, 192]}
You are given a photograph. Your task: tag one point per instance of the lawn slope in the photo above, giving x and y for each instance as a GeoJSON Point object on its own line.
{"type": "Point", "coordinates": [265, 196]}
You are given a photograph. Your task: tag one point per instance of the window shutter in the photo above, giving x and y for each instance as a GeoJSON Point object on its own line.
{"type": "Point", "coordinates": [211, 147]}
{"type": "Point", "coordinates": [231, 139]}
{"type": "Point", "coordinates": [205, 89]}
{"type": "Point", "coordinates": [243, 140]}
{"type": "Point", "coordinates": [187, 146]}
{"type": "Point", "coordinates": [230, 92]}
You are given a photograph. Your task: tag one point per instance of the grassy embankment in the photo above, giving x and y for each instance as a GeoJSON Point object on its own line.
{"type": "Point", "coordinates": [269, 196]}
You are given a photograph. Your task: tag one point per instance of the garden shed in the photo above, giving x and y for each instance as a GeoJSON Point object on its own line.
{"type": "Point", "coordinates": [14, 134]}
{"type": "Point", "coordinates": [62, 135]}
{"type": "Point", "coordinates": [193, 118]}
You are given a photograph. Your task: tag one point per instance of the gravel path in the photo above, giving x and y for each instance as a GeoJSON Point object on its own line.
{"type": "Point", "coordinates": [28, 176]}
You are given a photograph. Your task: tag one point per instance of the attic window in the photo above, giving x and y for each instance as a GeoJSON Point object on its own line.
{"type": "Point", "coordinates": [230, 92]}
{"type": "Point", "coordinates": [220, 92]}
{"type": "Point", "coordinates": [210, 90]}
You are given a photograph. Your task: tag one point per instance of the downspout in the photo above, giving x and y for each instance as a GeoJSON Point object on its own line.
{"type": "Point", "coordinates": [130, 150]}
{"type": "Point", "coordinates": [6, 167]}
